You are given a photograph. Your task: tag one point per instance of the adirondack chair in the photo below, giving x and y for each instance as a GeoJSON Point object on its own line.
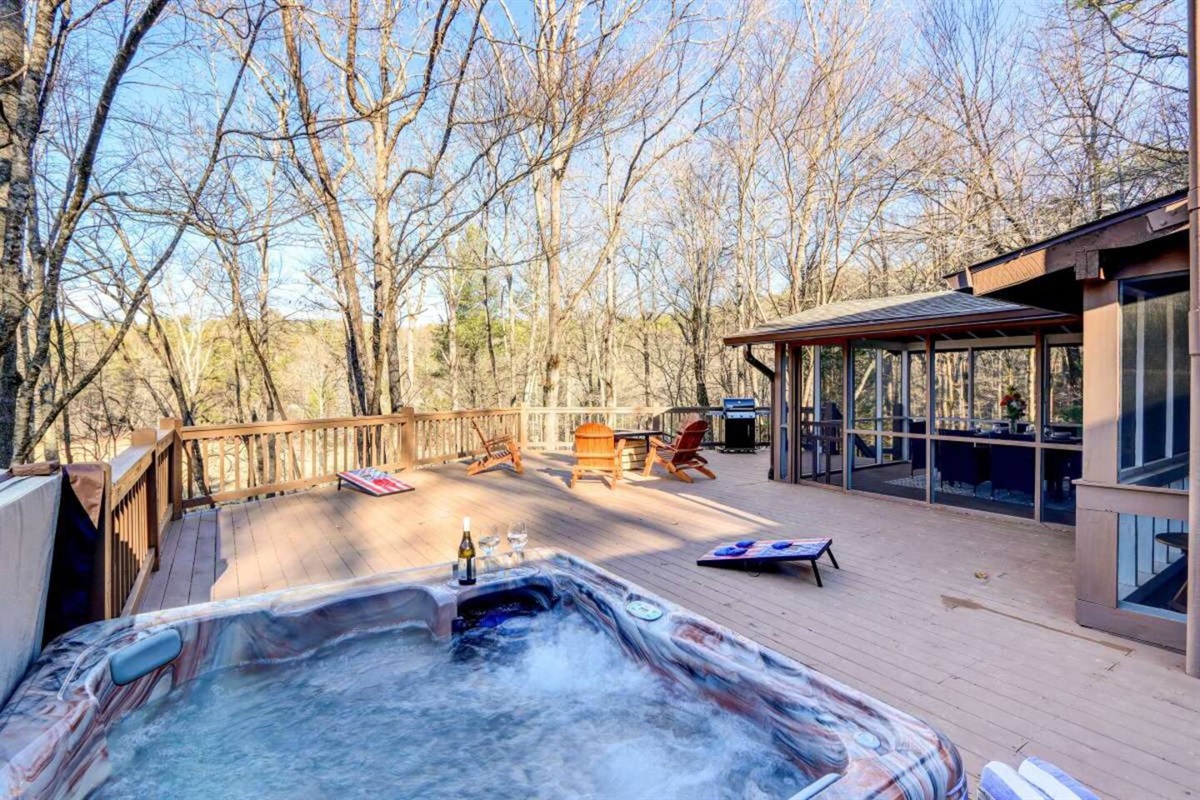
{"type": "Point", "coordinates": [501, 450]}
{"type": "Point", "coordinates": [683, 453]}
{"type": "Point", "coordinates": [596, 453]}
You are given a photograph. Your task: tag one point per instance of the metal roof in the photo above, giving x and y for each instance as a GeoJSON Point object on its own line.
{"type": "Point", "coordinates": [907, 314]}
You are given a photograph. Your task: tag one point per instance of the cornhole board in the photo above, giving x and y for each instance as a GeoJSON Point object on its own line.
{"type": "Point", "coordinates": [763, 551]}
{"type": "Point", "coordinates": [374, 482]}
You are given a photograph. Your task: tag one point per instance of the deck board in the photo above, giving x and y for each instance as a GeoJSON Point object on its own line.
{"type": "Point", "coordinates": [997, 663]}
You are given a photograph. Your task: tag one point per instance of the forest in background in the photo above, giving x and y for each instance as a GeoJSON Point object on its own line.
{"type": "Point", "coordinates": [237, 211]}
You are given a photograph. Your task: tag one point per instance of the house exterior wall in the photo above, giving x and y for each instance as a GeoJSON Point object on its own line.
{"type": "Point", "coordinates": [1101, 500]}
{"type": "Point", "coordinates": [1104, 505]}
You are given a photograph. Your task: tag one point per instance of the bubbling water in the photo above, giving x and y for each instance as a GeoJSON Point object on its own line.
{"type": "Point", "coordinates": [539, 706]}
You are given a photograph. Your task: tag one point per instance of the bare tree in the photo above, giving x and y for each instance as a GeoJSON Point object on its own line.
{"type": "Point", "coordinates": [37, 270]}
{"type": "Point", "coordinates": [580, 84]}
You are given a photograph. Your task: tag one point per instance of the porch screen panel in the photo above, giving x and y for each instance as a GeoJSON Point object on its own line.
{"type": "Point", "coordinates": [1064, 387]}
{"type": "Point", "coordinates": [882, 455]}
{"type": "Point", "coordinates": [831, 384]}
{"type": "Point", "coordinates": [997, 373]}
{"type": "Point", "coordinates": [918, 406]}
{"type": "Point", "coordinates": [952, 397]}
{"type": "Point", "coordinates": [1154, 380]}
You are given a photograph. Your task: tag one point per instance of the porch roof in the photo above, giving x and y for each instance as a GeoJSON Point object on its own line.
{"type": "Point", "coordinates": [901, 315]}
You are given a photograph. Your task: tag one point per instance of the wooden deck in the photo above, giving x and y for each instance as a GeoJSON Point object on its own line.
{"type": "Point", "coordinates": [996, 662]}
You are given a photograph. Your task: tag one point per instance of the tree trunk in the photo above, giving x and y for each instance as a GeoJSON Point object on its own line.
{"type": "Point", "coordinates": [10, 381]}
{"type": "Point", "coordinates": [608, 355]}
{"type": "Point", "coordinates": [395, 374]}
{"type": "Point", "coordinates": [452, 348]}
{"type": "Point", "coordinates": [383, 320]}
{"type": "Point", "coordinates": [551, 388]}
{"type": "Point", "coordinates": [326, 190]}
{"type": "Point", "coordinates": [21, 95]}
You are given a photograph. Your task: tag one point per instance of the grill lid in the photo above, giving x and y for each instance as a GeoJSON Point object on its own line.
{"type": "Point", "coordinates": [738, 407]}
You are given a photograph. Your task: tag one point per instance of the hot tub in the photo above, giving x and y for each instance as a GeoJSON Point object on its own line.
{"type": "Point", "coordinates": [556, 679]}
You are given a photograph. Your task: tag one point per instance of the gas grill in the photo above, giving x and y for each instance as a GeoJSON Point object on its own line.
{"type": "Point", "coordinates": [739, 414]}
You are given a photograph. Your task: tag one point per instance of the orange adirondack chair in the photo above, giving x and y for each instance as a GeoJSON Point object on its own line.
{"type": "Point", "coordinates": [681, 454]}
{"type": "Point", "coordinates": [596, 453]}
{"type": "Point", "coordinates": [501, 450]}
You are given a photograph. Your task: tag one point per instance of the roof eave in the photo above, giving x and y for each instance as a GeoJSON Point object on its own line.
{"type": "Point", "coordinates": [909, 327]}
{"type": "Point", "coordinates": [1163, 215]}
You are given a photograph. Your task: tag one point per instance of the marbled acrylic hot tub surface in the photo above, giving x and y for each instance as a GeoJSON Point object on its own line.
{"type": "Point", "coordinates": [53, 731]}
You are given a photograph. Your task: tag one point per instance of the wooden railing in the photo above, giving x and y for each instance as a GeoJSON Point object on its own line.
{"type": "Point", "coordinates": [139, 504]}
{"type": "Point", "coordinates": [173, 468]}
{"type": "Point", "coordinates": [235, 462]}
{"type": "Point", "coordinates": [443, 436]}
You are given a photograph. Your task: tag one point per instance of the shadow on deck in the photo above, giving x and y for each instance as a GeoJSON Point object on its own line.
{"type": "Point", "coordinates": [997, 663]}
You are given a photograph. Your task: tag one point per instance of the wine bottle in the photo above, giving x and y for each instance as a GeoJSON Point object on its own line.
{"type": "Point", "coordinates": [466, 556]}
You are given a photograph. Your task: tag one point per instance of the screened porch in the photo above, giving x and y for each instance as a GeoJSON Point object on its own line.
{"type": "Point", "coordinates": [996, 425]}
{"type": "Point", "coordinates": [943, 398]}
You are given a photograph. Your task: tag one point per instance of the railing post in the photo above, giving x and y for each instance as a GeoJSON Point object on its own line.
{"type": "Point", "coordinates": [112, 606]}
{"type": "Point", "coordinates": [175, 472]}
{"type": "Point", "coordinates": [523, 427]}
{"type": "Point", "coordinates": [408, 438]}
{"type": "Point", "coordinates": [148, 437]}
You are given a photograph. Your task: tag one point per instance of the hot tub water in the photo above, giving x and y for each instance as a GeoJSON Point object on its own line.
{"type": "Point", "coordinates": [539, 705]}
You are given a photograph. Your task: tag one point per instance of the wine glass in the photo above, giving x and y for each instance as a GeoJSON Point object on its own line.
{"type": "Point", "coordinates": [518, 537]}
{"type": "Point", "coordinates": [489, 544]}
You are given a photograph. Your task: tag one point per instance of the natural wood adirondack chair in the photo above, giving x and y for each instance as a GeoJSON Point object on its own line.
{"type": "Point", "coordinates": [596, 453]}
{"type": "Point", "coordinates": [501, 450]}
{"type": "Point", "coordinates": [681, 454]}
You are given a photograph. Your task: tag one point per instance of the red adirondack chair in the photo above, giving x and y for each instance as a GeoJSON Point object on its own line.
{"type": "Point", "coordinates": [683, 453]}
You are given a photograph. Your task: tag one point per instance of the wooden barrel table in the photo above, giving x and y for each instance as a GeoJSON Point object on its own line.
{"type": "Point", "coordinates": [637, 445]}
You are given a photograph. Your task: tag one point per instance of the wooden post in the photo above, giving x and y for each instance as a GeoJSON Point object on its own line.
{"type": "Point", "coordinates": [906, 402]}
{"type": "Point", "coordinates": [847, 414]}
{"type": "Point", "coordinates": [795, 396]}
{"type": "Point", "coordinates": [930, 417]}
{"type": "Point", "coordinates": [523, 426]}
{"type": "Point", "coordinates": [175, 472]}
{"type": "Point", "coordinates": [112, 606]}
{"type": "Point", "coordinates": [820, 441]}
{"type": "Point", "coordinates": [780, 403]}
{"type": "Point", "coordinates": [1039, 417]}
{"type": "Point", "coordinates": [1191, 660]}
{"type": "Point", "coordinates": [148, 437]}
{"type": "Point", "coordinates": [408, 438]}
{"type": "Point", "coordinates": [878, 426]}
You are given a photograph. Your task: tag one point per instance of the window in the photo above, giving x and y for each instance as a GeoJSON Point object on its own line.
{"type": "Point", "coordinates": [1154, 380]}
